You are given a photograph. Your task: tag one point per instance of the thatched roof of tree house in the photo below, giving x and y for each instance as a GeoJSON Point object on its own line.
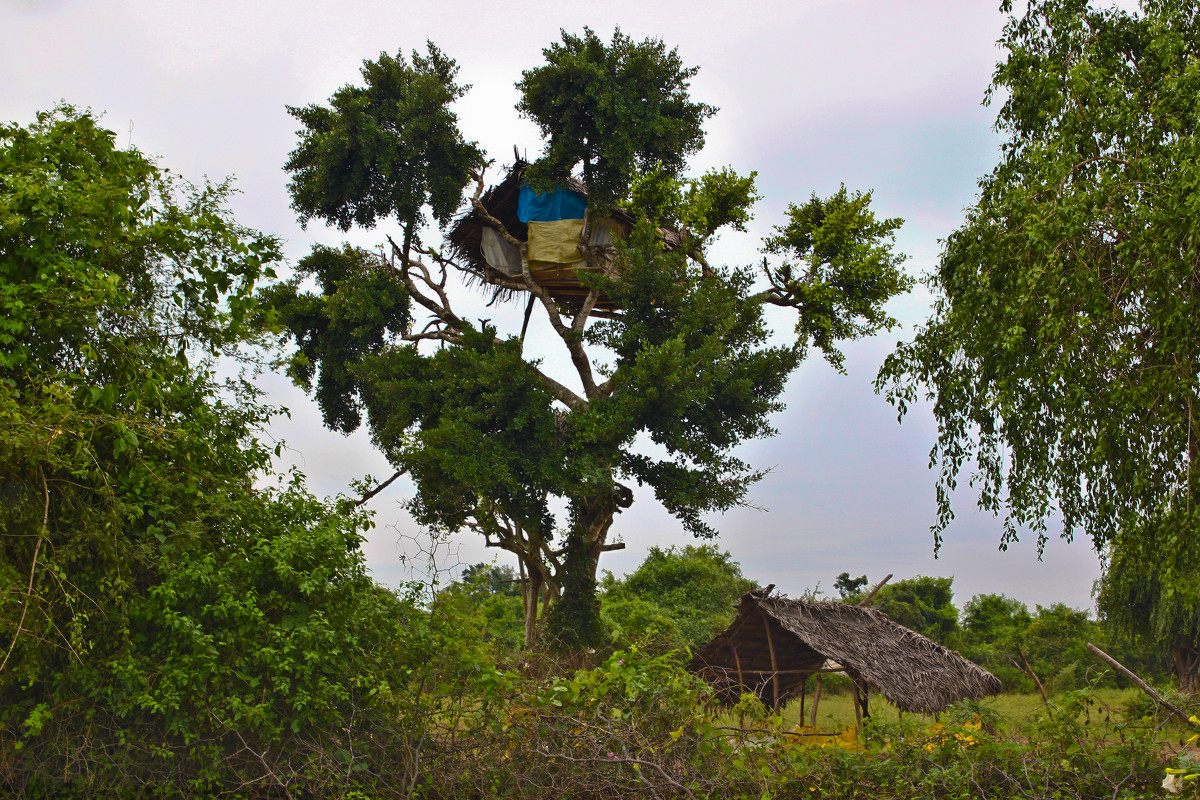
{"type": "Point", "coordinates": [775, 644]}
{"type": "Point", "coordinates": [471, 237]}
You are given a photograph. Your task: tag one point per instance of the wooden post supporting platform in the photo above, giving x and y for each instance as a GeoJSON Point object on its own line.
{"type": "Point", "coordinates": [816, 700]}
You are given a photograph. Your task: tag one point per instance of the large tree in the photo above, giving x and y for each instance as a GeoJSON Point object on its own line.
{"type": "Point", "coordinates": [678, 371]}
{"type": "Point", "coordinates": [1063, 352]}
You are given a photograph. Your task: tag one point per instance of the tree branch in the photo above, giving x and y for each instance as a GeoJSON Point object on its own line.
{"type": "Point", "coordinates": [37, 548]}
{"type": "Point", "coordinates": [455, 324]}
{"type": "Point", "coordinates": [442, 309]}
{"type": "Point", "coordinates": [571, 338]}
{"type": "Point", "coordinates": [378, 489]}
{"type": "Point", "coordinates": [480, 209]}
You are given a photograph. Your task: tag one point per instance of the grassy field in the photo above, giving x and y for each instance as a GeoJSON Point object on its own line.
{"type": "Point", "coordinates": [1015, 710]}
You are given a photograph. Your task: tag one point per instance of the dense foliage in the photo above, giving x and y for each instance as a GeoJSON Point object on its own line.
{"type": "Point", "coordinates": [164, 623]}
{"type": "Point", "coordinates": [612, 111]}
{"type": "Point", "coordinates": [678, 597]}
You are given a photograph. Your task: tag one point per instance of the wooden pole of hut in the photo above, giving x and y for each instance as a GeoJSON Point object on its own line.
{"type": "Point", "coordinates": [858, 712]}
{"type": "Point", "coordinates": [737, 661]}
{"type": "Point", "coordinates": [774, 662]}
{"type": "Point", "coordinates": [816, 698]}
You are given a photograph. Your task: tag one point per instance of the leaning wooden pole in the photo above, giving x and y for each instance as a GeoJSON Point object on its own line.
{"type": "Point", "coordinates": [1141, 684]}
{"type": "Point", "coordinates": [871, 594]}
{"type": "Point", "coordinates": [816, 699]}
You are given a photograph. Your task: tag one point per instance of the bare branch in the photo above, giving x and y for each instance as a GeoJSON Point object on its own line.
{"type": "Point", "coordinates": [441, 309]}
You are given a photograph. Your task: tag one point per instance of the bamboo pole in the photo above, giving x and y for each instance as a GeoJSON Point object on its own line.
{"type": "Point", "coordinates": [770, 672]}
{"type": "Point", "coordinates": [737, 660]}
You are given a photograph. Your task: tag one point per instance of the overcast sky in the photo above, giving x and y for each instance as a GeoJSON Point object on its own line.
{"type": "Point", "coordinates": [878, 94]}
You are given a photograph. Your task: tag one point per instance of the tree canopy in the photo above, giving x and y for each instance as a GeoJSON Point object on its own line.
{"type": "Point", "coordinates": [1063, 352]}
{"type": "Point", "coordinates": [1061, 356]}
{"type": "Point", "coordinates": [611, 110]}
{"type": "Point", "coordinates": [924, 604]}
{"type": "Point", "coordinates": [493, 440]}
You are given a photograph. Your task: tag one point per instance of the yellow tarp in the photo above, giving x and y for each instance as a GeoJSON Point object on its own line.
{"type": "Point", "coordinates": [556, 242]}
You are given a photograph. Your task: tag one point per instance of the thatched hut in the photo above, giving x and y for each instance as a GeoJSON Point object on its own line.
{"type": "Point", "coordinates": [775, 644]}
{"type": "Point", "coordinates": [558, 239]}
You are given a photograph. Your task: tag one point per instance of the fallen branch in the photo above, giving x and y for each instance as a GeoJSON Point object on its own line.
{"type": "Point", "coordinates": [1141, 684]}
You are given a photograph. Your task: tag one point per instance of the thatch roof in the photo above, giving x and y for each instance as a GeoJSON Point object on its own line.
{"type": "Point", "coordinates": [912, 671]}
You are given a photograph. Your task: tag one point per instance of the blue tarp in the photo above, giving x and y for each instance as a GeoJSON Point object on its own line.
{"type": "Point", "coordinates": [559, 204]}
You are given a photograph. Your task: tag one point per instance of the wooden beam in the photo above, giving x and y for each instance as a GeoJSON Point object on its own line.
{"type": "Point", "coordinates": [816, 701]}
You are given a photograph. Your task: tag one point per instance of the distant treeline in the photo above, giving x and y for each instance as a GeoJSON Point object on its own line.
{"type": "Point", "coordinates": [680, 597]}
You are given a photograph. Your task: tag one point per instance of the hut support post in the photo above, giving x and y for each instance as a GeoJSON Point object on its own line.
{"type": "Point", "coordinates": [803, 694]}
{"type": "Point", "coordinates": [858, 715]}
{"type": "Point", "coordinates": [816, 700]}
{"type": "Point", "coordinates": [737, 660]}
{"type": "Point", "coordinates": [774, 662]}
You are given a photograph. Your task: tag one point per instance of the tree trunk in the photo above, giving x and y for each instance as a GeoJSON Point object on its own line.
{"type": "Point", "coordinates": [1187, 666]}
{"type": "Point", "coordinates": [573, 624]}
{"type": "Point", "coordinates": [533, 592]}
